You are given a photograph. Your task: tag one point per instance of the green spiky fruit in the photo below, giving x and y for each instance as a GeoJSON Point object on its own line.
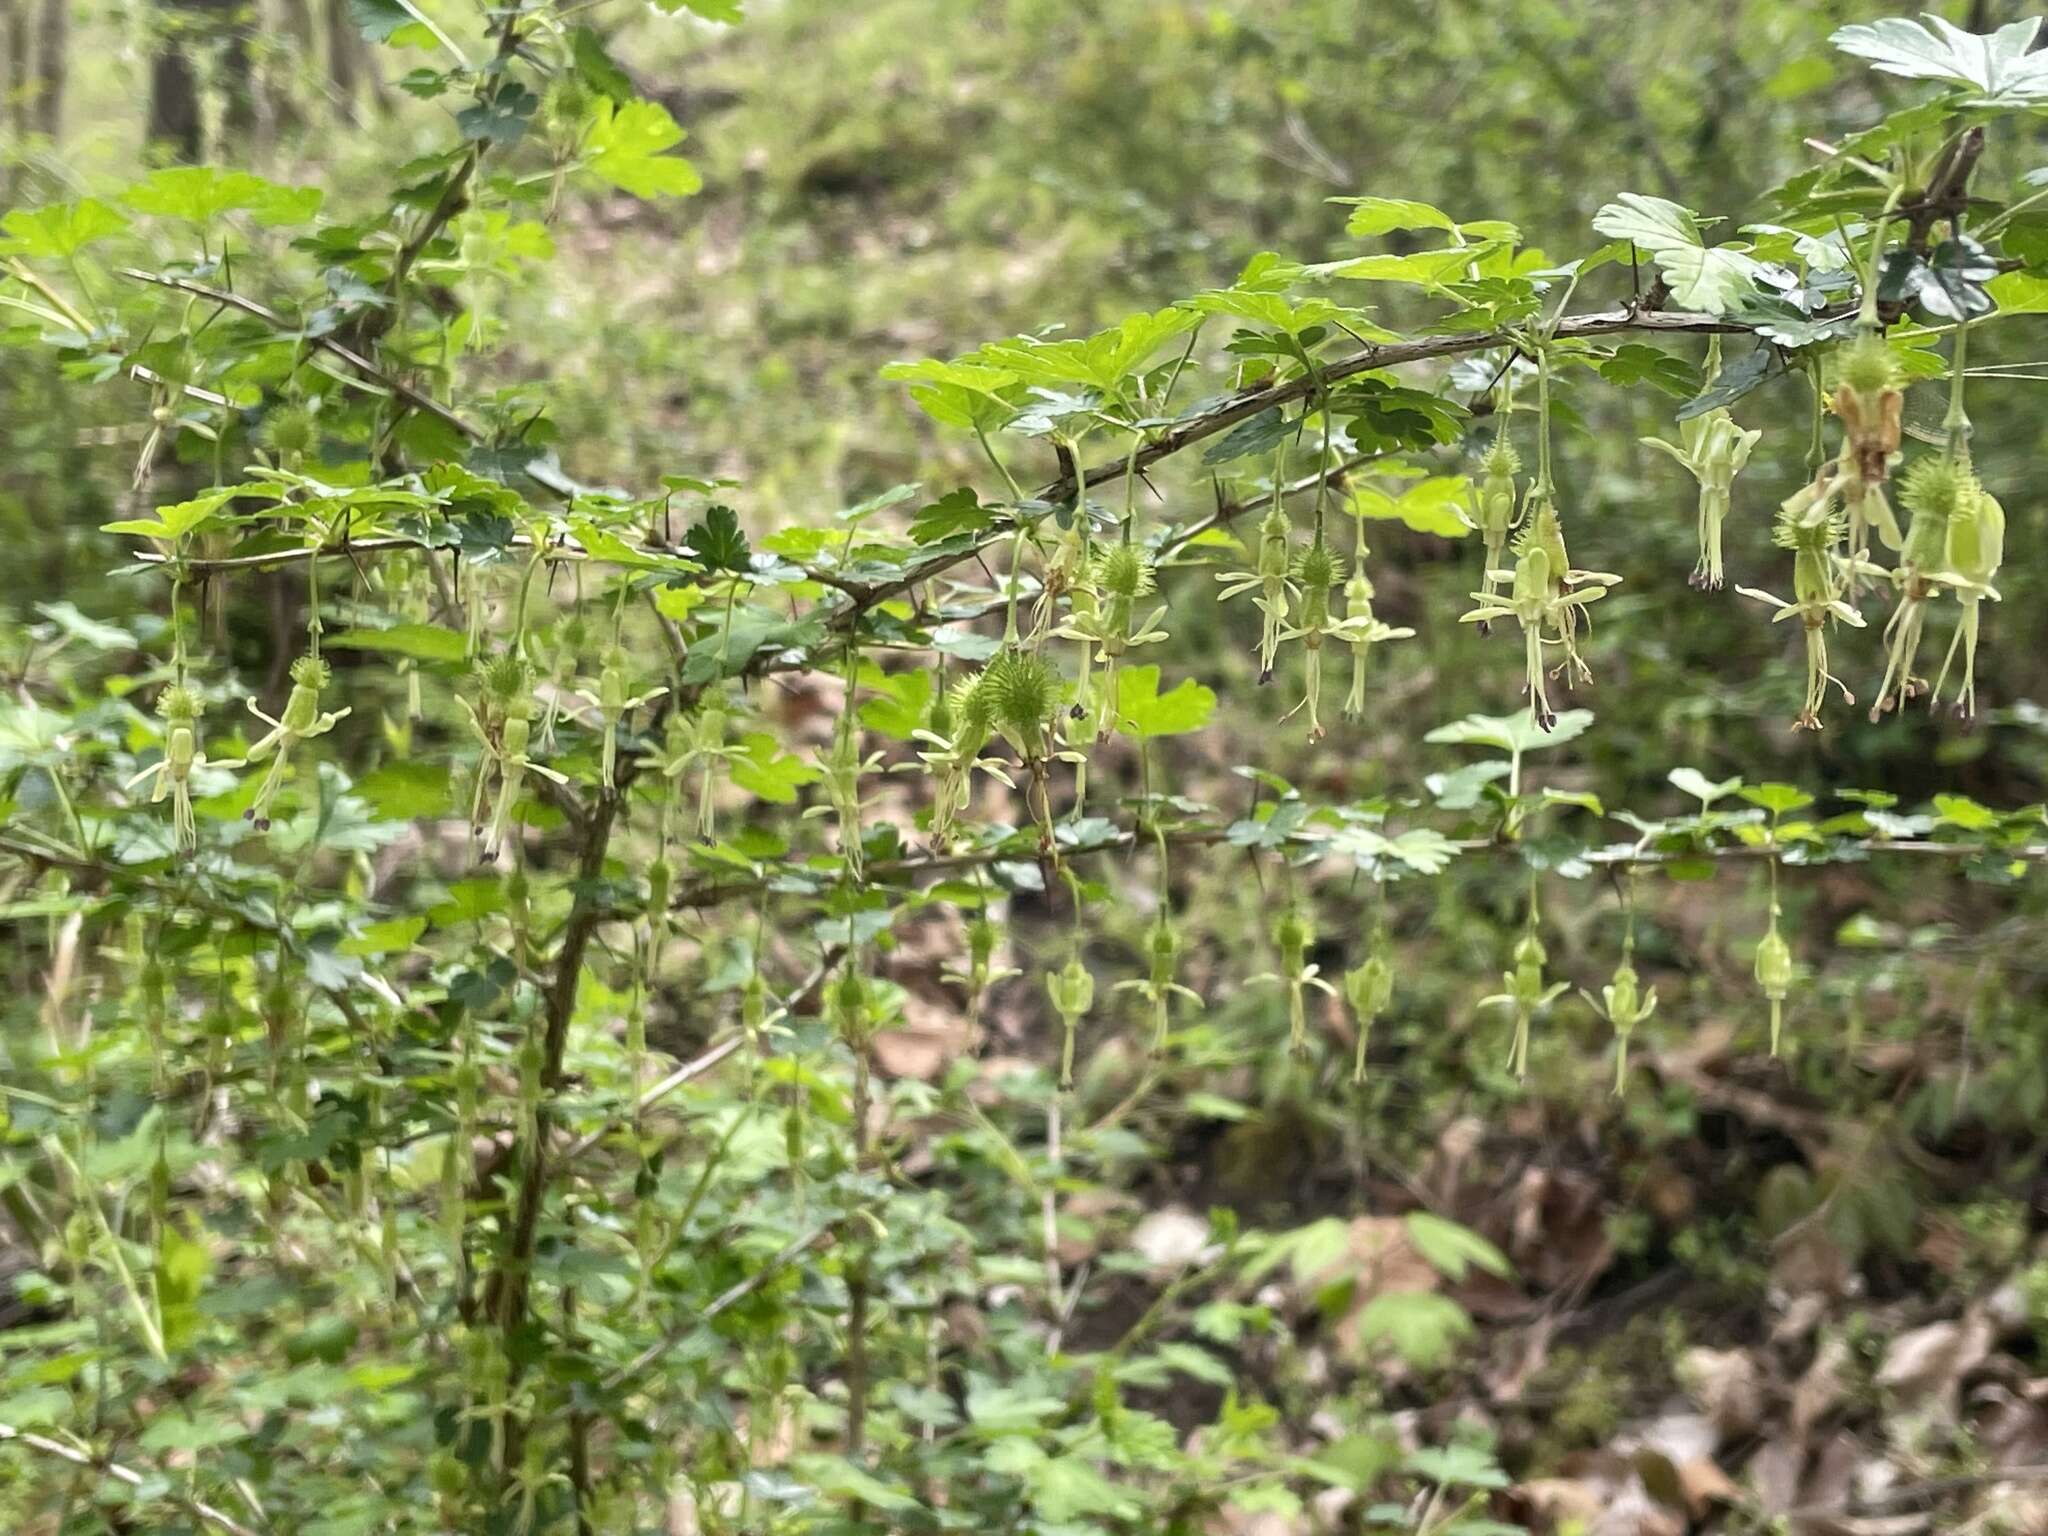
{"type": "Point", "coordinates": [289, 431]}
{"type": "Point", "coordinates": [1317, 569]}
{"type": "Point", "coordinates": [1807, 534]}
{"type": "Point", "coordinates": [1500, 458]}
{"type": "Point", "coordinates": [1868, 366]}
{"type": "Point", "coordinates": [1935, 486]}
{"type": "Point", "coordinates": [972, 707]}
{"type": "Point", "coordinates": [311, 672]}
{"type": "Point", "coordinates": [1935, 489]}
{"type": "Point", "coordinates": [1023, 692]}
{"type": "Point", "coordinates": [1124, 571]}
{"type": "Point", "coordinates": [565, 106]}
{"type": "Point", "coordinates": [179, 705]}
{"type": "Point", "coordinates": [505, 677]}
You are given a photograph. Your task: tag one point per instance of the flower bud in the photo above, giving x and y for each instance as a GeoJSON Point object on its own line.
{"type": "Point", "coordinates": [1072, 990]}
{"type": "Point", "coordinates": [1774, 975]}
{"type": "Point", "coordinates": [1368, 988]}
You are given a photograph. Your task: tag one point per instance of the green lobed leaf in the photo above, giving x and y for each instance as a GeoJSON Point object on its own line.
{"type": "Point", "coordinates": [1995, 68]}
{"type": "Point", "coordinates": [627, 146]}
{"type": "Point", "coordinates": [1142, 710]}
{"type": "Point", "coordinates": [1714, 280]}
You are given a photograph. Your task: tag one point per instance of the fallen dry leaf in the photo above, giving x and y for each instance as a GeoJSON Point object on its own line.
{"type": "Point", "coordinates": [1821, 1386]}
{"type": "Point", "coordinates": [1728, 1385]}
{"type": "Point", "coordinates": [1926, 1366]}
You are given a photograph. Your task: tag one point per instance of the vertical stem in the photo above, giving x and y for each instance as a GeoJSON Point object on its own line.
{"type": "Point", "coordinates": [858, 1278]}
{"type": "Point", "coordinates": [1048, 1209]}
{"type": "Point", "coordinates": [1957, 422]}
{"type": "Point", "coordinates": [1866, 315]}
{"type": "Point", "coordinates": [507, 1297]}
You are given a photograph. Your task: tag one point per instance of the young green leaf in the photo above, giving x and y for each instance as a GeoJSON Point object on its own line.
{"type": "Point", "coordinates": [1713, 279]}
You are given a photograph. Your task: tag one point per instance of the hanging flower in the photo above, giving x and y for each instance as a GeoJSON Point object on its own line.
{"type": "Point", "coordinates": [1975, 549]}
{"type": "Point", "coordinates": [1369, 989]}
{"type": "Point", "coordinates": [1361, 630]}
{"type": "Point", "coordinates": [1315, 573]}
{"type": "Point", "coordinates": [1496, 509]}
{"type": "Point", "coordinates": [1713, 451]}
{"type": "Point", "coordinates": [1936, 490]}
{"type": "Point", "coordinates": [1811, 531]}
{"type": "Point", "coordinates": [1270, 578]}
{"type": "Point", "coordinates": [1525, 993]}
{"type": "Point", "coordinates": [1158, 987]}
{"type": "Point", "coordinates": [302, 720]}
{"type": "Point", "coordinates": [180, 709]}
{"type": "Point", "coordinates": [1774, 974]}
{"type": "Point", "coordinates": [1107, 623]}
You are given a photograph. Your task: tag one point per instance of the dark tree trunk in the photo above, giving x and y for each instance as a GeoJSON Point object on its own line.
{"type": "Point", "coordinates": [285, 67]}
{"type": "Point", "coordinates": [51, 40]}
{"type": "Point", "coordinates": [342, 41]}
{"type": "Point", "coordinates": [14, 72]}
{"type": "Point", "coordinates": [237, 81]}
{"type": "Point", "coordinates": [192, 29]}
{"type": "Point", "coordinates": [174, 119]}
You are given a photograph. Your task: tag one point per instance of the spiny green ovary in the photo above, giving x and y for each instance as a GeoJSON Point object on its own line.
{"type": "Point", "coordinates": [1811, 539]}
{"type": "Point", "coordinates": [1317, 569]}
{"type": "Point", "coordinates": [505, 677]}
{"type": "Point", "coordinates": [1124, 572]}
{"type": "Point", "coordinates": [1868, 366]}
{"type": "Point", "coordinates": [311, 672]}
{"type": "Point", "coordinates": [566, 104]}
{"type": "Point", "coordinates": [179, 705]}
{"type": "Point", "coordinates": [1292, 936]}
{"type": "Point", "coordinates": [289, 431]}
{"type": "Point", "coordinates": [1545, 533]}
{"type": "Point", "coordinates": [1500, 458]}
{"type": "Point", "coordinates": [1020, 692]}
{"type": "Point", "coordinates": [1807, 534]}
{"type": "Point", "coordinates": [1935, 489]}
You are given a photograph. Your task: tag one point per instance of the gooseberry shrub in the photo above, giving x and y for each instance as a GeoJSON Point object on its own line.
{"type": "Point", "coordinates": [366, 1180]}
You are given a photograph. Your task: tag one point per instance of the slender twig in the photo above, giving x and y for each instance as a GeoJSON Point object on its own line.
{"type": "Point", "coordinates": [717, 893]}
{"type": "Point", "coordinates": [121, 1474]}
{"type": "Point", "coordinates": [739, 1291]}
{"type": "Point", "coordinates": [27, 277]}
{"type": "Point", "coordinates": [687, 1072]}
{"type": "Point", "coordinates": [417, 398]}
{"type": "Point", "coordinates": [1249, 403]}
